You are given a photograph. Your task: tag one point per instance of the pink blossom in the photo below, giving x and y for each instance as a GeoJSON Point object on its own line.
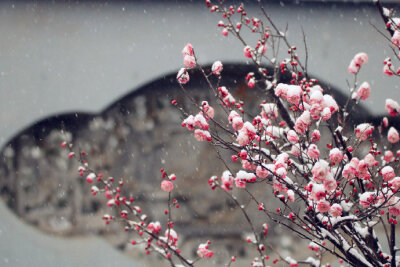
{"type": "Point", "coordinates": [320, 170]}
{"type": "Point", "coordinates": [251, 83]}
{"type": "Point", "coordinates": [295, 150]}
{"type": "Point", "coordinates": [313, 151]}
{"type": "Point", "coordinates": [386, 70]}
{"type": "Point", "coordinates": [388, 156]}
{"type": "Point", "coordinates": [217, 68]}
{"type": "Point", "coordinates": [335, 155]}
{"type": "Point", "coordinates": [330, 184]}
{"type": "Point", "coordinates": [395, 210]}
{"type": "Point", "coordinates": [326, 114]}
{"type": "Point", "coordinates": [336, 210]}
{"type": "Point", "coordinates": [294, 94]}
{"type": "Point", "coordinates": [292, 136]}
{"type": "Point", "coordinates": [353, 68]}
{"type": "Point", "coordinates": [303, 122]}
{"type": "Point", "coordinates": [364, 130]}
{"type": "Point", "coordinates": [395, 183]}
{"type": "Point", "coordinates": [361, 58]}
{"type": "Point", "coordinates": [189, 61]}
{"type": "Point", "coordinates": [237, 123]}
{"type": "Point", "coordinates": [242, 138]}
{"type": "Point", "coordinates": [167, 186]}
{"type": "Point", "coordinates": [262, 172]}
{"type": "Point", "coordinates": [204, 252]}
{"type": "Point", "coordinates": [393, 135]}
{"type": "Point", "coordinates": [208, 110]}
{"type": "Point", "coordinates": [202, 135]}
{"type": "Point", "coordinates": [370, 160]}
{"type": "Point", "coordinates": [388, 173]}
{"type": "Point", "coordinates": [323, 206]}
{"type": "Point", "coordinates": [317, 191]}
{"type": "Point", "coordinates": [183, 76]}
{"type": "Point", "coordinates": [385, 122]}
{"type": "Point", "coordinates": [200, 121]}
{"type": "Point", "coordinates": [316, 135]}
{"type": "Point", "coordinates": [364, 91]}
{"type": "Point", "coordinates": [248, 165]}
{"type": "Point", "coordinates": [392, 107]}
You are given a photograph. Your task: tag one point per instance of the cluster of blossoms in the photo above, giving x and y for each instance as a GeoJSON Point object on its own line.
{"type": "Point", "coordinates": [331, 191]}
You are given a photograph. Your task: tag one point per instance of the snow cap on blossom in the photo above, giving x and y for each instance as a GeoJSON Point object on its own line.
{"type": "Point", "coordinates": [204, 252]}
{"type": "Point", "coordinates": [388, 173]}
{"type": "Point", "coordinates": [154, 227]}
{"type": "Point", "coordinates": [243, 177]}
{"type": "Point", "coordinates": [392, 107]}
{"type": "Point", "coordinates": [167, 186]}
{"type": "Point", "coordinates": [331, 103]}
{"type": "Point", "coordinates": [292, 136]}
{"type": "Point", "coordinates": [335, 155]}
{"type": "Point", "coordinates": [317, 191]}
{"type": "Point", "coordinates": [294, 94]}
{"type": "Point", "coordinates": [217, 68]}
{"type": "Point", "coordinates": [364, 91]}
{"type": "Point", "coordinates": [393, 135]}
{"type": "Point", "coordinates": [202, 135]}
{"type": "Point", "coordinates": [183, 76]}
{"type": "Point", "coordinates": [200, 121]}
{"type": "Point", "coordinates": [295, 150]}
{"type": "Point", "coordinates": [395, 183]}
{"type": "Point", "coordinates": [364, 130]}
{"type": "Point", "coordinates": [370, 160]}
{"type": "Point", "coordinates": [242, 138]}
{"type": "Point", "coordinates": [269, 111]}
{"type": "Point", "coordinates": [173, 236]}
{"type": "Point", "coordinates": [320, 170]}
{"type": "Point", "coordinates": [281, 90]}
{"type": "Point", "coordinates": [336, 210]}
{"type": "Point", "coordinates": [227, 181]}
{"type": "Point", "coordinates": [367, 199]}
{"type": "Point", "coordinates": [356, 63]}
{"type": "Point", "coordinates": [248, 52]}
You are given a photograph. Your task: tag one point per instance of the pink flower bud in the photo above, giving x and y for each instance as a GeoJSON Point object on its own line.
{"type": "Point", "coordinates": [313, 151]}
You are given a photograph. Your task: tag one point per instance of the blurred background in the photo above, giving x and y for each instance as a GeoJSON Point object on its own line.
{"type": "Point", "coordinates": [105, 73]}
